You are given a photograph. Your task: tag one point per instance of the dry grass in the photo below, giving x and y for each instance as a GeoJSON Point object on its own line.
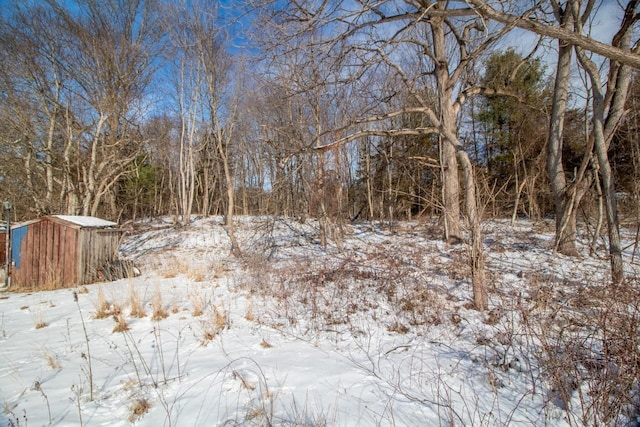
{"type": "Point", "coordinates": [116, 309]}
{"type": "Point", "coordinates": [187, 269]}
{"type": "Point", "coordinates": [589, 349]}
{"type": "Point", "coordinates": [244, 382]}
{"type": "Point", "coordinates": [333, 294]}
{"type": "Point", "coordinates": [196, 274]}
{"type": "Point", "coordinates": [158, 309]}
{"type": "Point", "coordinates": [52, 282]}
{"type": "Point", "coordinates": [216, 322]}
{"type": "Point", "coordinates": [220, 318]}
{"type": "Point", "coordinates": [41, 324]}
{"type": "Point", "coordinates": [102, 306]}
{"type": "Point", "coordinates": [459, 268]}
{"type": "Point", "coordinates": [398, 328]}
{"type": "Point", "coordinates": [197, 304]}
{"type": "Point", "coordinates": [248, 314]}
{"type": "Point", "coordinates": [135, 305]}
{"type": "Point", "coordinates": [51, 360]}
{"type": "Point", "coordinates": [121, 323]}
{"type": "Point", "coordinates": [169, 273]}
{"type": "Point", "coordinates": [138, 408]}
{"type": "Point", "coordinates": [265, 344]}
{"type": "Point", "coordinates": [171, 269]}
{"type": "Point", "coordinates": [38, 317]}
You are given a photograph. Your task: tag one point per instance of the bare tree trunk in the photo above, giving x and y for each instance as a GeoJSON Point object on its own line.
{"type": "Point", "coordinates": [564, 204]}
{"type": "Point", "coordinates": [367, 157]}
{"type": "Point", "coordinates": [243, 180]}
{"type": "Point", "coordinates": [565, 225]}
{"type": "Point", "coordinates": [516, 202]}
{"type": "Point", "coordinates": [612, 104]}
{"type": "Point", "coordinates": [451, 194]}
{"type": "Point", "coordinates": [89, 171]}
{"type": "Point", "coordinates": [611, 207]}
{"type": "Point", "coordinates": [53, 116]}
{"type": "Point", "coordinates": [323, 220]}
{"type": "Point", "coordinates": [205, 191]}
{"type": "Point", "coordinates": [389, 190]}
{"type": "Point", "coordinates": [68, 191]}
{"type": "Point", "coordinates": [608, 185]}
{"type": "Point", "coordinates": [229, 181]}
{"type": "Point", "coordinates": [598, 227]}
{"type": "Point", "coordinates": [454, 152]}
{"type": "Point", "coordinates": [188, 104]}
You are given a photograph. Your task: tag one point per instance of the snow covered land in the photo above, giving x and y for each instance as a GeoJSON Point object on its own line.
{"type": "Point", "coordinates": [376, 329]}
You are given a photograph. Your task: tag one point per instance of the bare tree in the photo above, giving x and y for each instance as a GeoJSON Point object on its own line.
{"type": "Point", "coordinates": [286, 144]}
{"type": "Point", "coordinates": [607, 111]}
{"type": "Point", "coordinates": [35, 86]}
{"type": "Point", "coordinates": [212, 107]}
{"type": "Point", "coordinates": [566, 197]}
{"type": "Point", "coordinates": [84, 71]}
{"type": "Point", "coordinates": [424, 45]}
{"type": "Point", "coordinates": [190, 95]}
{"type": "Point", "coordinates": [537, 23]}
{"type": "Point", "coordinates": [110, 53]}
{"type": "Point", "coordinates": [607, 107]}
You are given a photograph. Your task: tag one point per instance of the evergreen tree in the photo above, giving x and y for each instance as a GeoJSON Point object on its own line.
{"type": "Point", "coordinates": [512, 123]}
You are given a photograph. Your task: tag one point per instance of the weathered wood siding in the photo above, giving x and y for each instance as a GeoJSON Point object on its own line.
{"type": "Point", "coordinates": [3, 242]}
{"type": "Point", "coordinates": [99, 246]}
{"type": "Point", "coordinates": [54, 253]}
{"type": "Point", "coordinates": [45, 255]}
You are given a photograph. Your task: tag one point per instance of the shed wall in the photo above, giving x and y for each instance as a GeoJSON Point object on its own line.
{"type": "Point", "coordinates": [99, 246]}
{"type": "Point", "coordinates": [57, 254]}
{"type": "Point", "coordinates": [45, 254]}
{"type": "Point", "coordinates": [3, 242]}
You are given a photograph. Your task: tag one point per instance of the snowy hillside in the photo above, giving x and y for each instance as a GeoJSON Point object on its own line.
{"type": "Point", "coordinates": [376, 329]}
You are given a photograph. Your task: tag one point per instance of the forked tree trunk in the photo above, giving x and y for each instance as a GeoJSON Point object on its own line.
{"type": "Point", "coordinates": [453, 153]}
{"type": "Point", "coordinates": [610, 202]}
{"type": "Point", "coordinates": [611, 105]}
{"type": "Point", "coordinates": [565, 239]}
{"type": "Point", "coordinates": [608, 185]}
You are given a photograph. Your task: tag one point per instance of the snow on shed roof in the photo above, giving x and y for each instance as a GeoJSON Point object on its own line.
{"type": "Point", "coordinates": [86, 221]}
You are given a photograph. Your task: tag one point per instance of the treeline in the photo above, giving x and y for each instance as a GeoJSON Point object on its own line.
{"type": "Point", "coordinates": [401, 109]}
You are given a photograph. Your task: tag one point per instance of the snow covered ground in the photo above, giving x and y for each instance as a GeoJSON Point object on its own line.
{"type": "Point", "coordinates": [376, 329]}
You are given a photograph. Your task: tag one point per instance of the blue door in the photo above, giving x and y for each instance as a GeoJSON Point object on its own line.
{"type": "Point", "coordinates": [18, 234]}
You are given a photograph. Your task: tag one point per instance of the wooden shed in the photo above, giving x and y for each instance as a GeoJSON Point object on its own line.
{"type": "Point", "coordinates": [60, 250]}
{"type": "Point", "coordinates": [3, 238]}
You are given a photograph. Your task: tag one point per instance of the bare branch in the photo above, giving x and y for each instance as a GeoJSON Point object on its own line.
{"type": "Point", "coordinates": [377, 132]}
{"type": "Point", "coordinates": [624, 56]}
